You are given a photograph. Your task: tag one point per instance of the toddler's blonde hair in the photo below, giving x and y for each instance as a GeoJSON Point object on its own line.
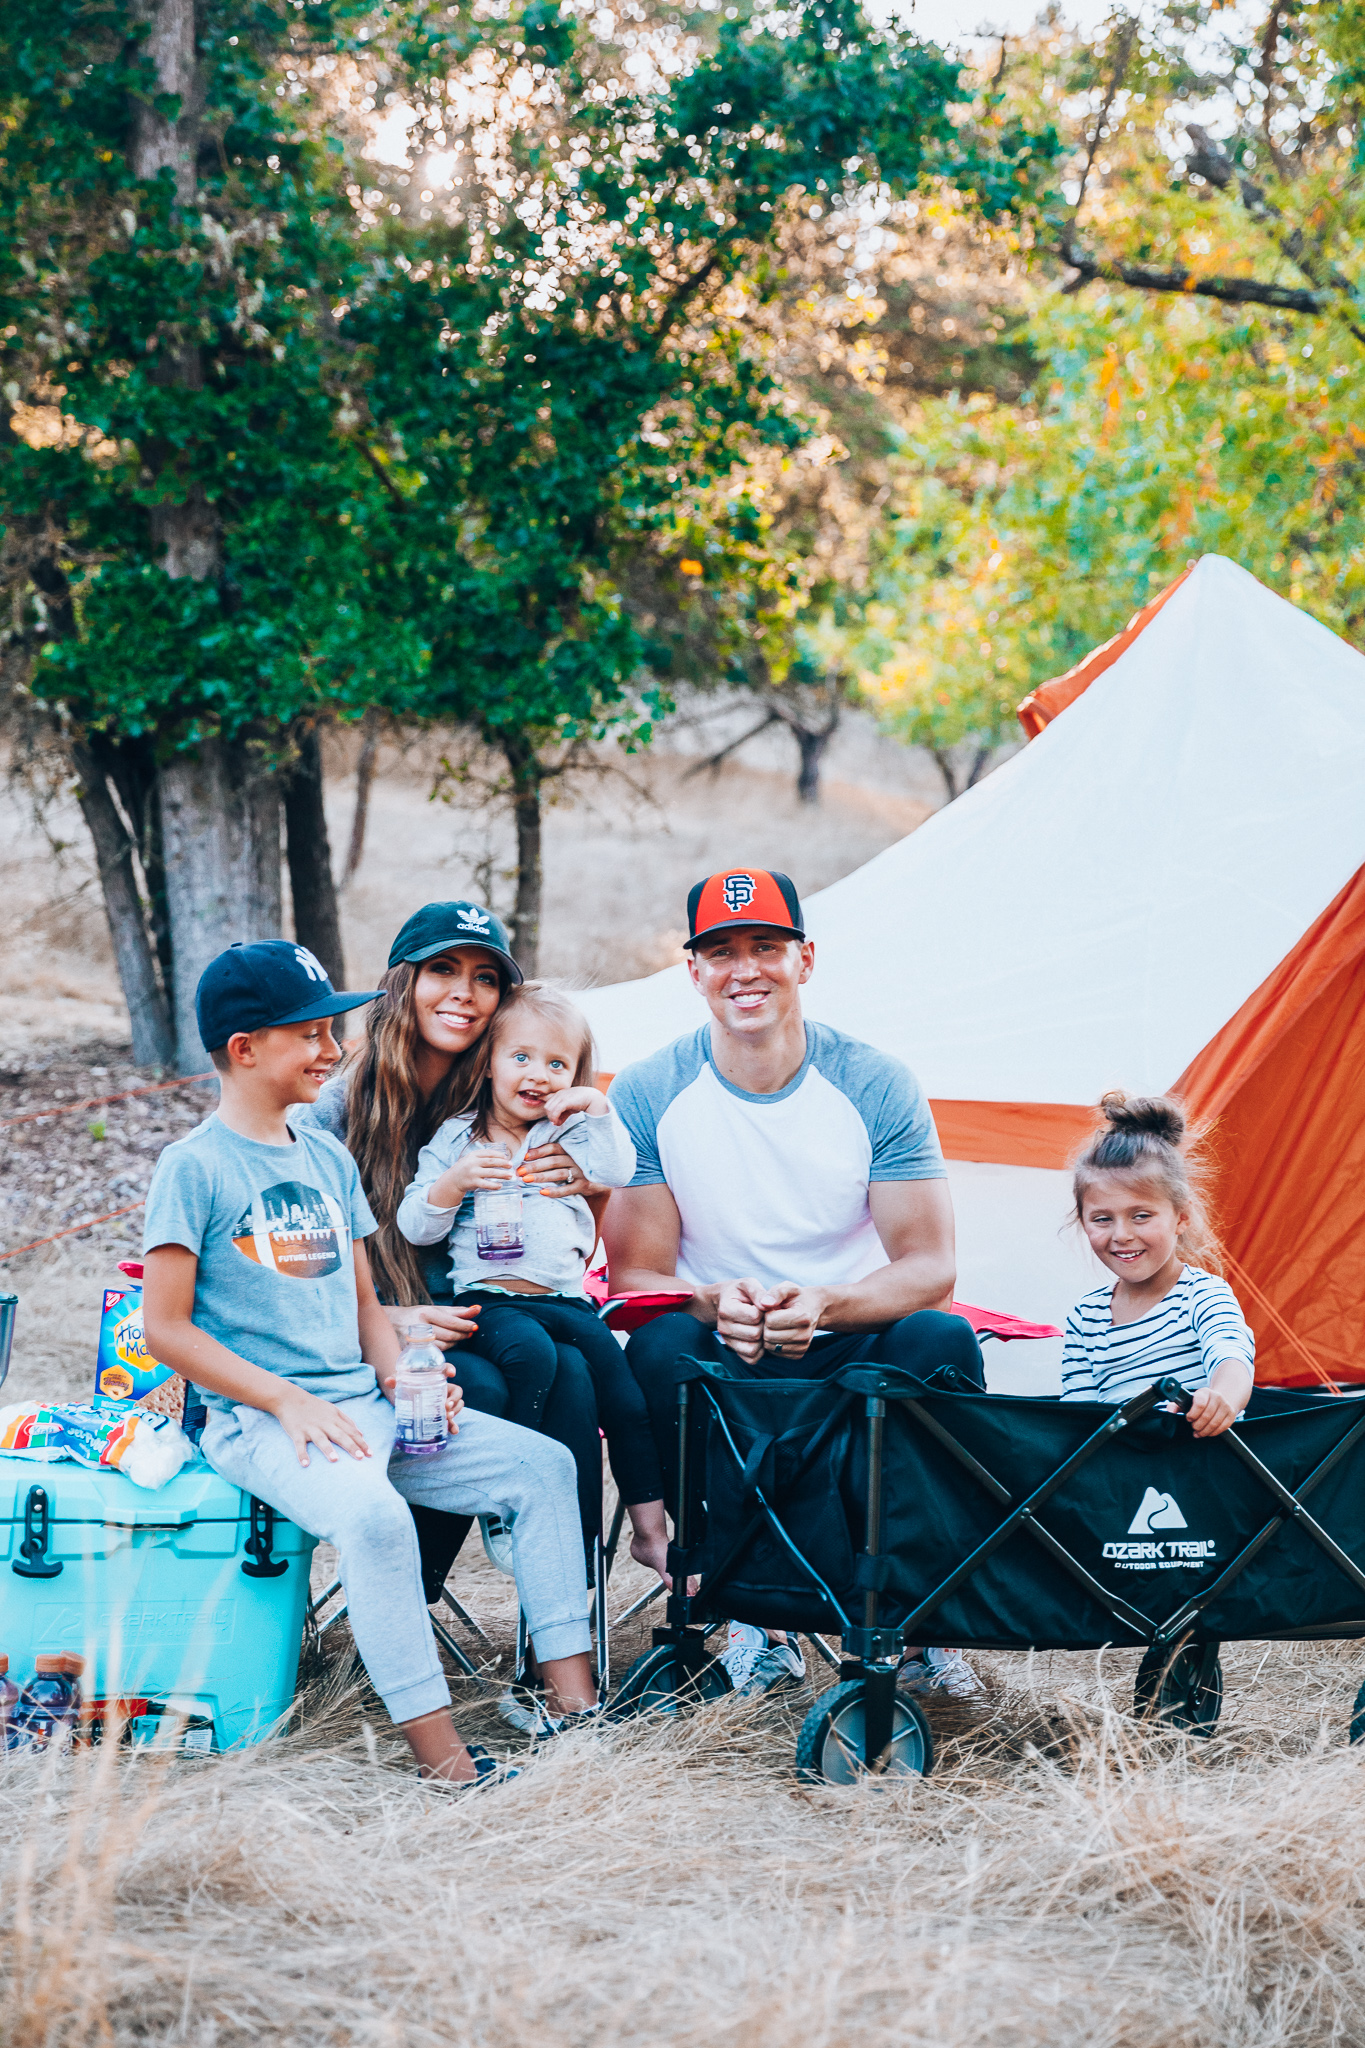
{"type": "Point", "coordinates": [538, 999]}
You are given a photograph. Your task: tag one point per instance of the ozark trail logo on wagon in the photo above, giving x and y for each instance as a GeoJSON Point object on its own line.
{"type": "Point", "coordinates": [1153, 1544]}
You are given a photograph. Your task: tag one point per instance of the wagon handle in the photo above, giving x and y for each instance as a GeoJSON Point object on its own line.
{"type": "Point", "coordinates": [1172, 1391]}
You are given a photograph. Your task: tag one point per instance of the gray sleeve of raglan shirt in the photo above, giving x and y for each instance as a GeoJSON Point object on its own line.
{"type": "Point", "coordinates": [642, 1092]}
{"type": "Point", "coordinates": [890, 1102]}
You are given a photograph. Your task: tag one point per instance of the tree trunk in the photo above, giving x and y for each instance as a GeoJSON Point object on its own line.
{"type": "Point", "coordinates": [130, 765]}
{"type": "Point", "coordinates": [521, 759]}
{"type": "Point", "coordinates": [317, 923]}
{"type": "Point", "coordinates": [948, 770]}
{"type": "Point", "coordinates": [220, 818]}
{"type": "Point", "coordinates": [812, 745]}
{"type": "Point", "coordinates": [219, 808]}
{"type": "Point", "coordinates": [980, 764]}
{"type": "Point", "coordinates": [98, 762]}
{"type": "Point", "coordinates": [364, 780]}
{"type": "Point", "coordinates": [148, 1013]}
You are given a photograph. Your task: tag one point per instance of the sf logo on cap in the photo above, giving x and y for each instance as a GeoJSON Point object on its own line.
{"type": "Point", "coordinates": [738, 891]}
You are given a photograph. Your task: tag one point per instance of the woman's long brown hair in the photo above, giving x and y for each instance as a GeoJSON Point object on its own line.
{"type": "Point", "coordinates": [387, 1124]}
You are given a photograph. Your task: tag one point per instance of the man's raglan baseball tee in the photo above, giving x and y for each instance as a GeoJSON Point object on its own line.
{"type": "Point", "coordinates": [775, 1187]}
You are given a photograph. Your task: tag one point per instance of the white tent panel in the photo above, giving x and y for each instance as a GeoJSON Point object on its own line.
{"type": "Point", "coordinates": [1017, 1252]}
{"type": "Point", "coordinates": [1094, 912]}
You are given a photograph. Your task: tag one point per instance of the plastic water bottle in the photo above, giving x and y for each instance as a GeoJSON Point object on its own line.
{"type": "Point", "coordinates": [497, 1216]}
{"type": "Point", "coordinates": [48, 1706]}
{"type": "Point", "coordinates": [9, 1699]}
{"type": "Point", "coordinates": [419, 1394]}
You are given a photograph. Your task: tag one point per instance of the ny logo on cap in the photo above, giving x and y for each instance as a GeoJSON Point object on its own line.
{"type": "Point", "coordinates": [738, 891]}
{"type": "Point", "coordinates": [310, 964]}
{"type": "Point", "coordinates": [472, 920]}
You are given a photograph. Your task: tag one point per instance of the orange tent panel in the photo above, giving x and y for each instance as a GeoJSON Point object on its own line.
{"type": "Point", "coordinates": [1290, 1192]}
{"type": "Point", "coordinates": [1012, 1133]}
{"type": "Point", "coordinates": [1284, 1085]}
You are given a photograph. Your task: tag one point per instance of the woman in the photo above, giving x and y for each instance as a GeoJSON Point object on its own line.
{"type": "Point", "coordinates": [448, 970]}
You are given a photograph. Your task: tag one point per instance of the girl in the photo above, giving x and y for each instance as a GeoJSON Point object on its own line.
{"type": "Point", "coordinates": [1138, 1202]}
{"type": "Point", "coordinates": [533, 1082]}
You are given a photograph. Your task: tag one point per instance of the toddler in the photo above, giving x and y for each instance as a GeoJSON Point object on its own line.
{"type": "Point", "coordinates": [1167, 1313]}
{"type": "Point", "coordinates": [532, 1084]}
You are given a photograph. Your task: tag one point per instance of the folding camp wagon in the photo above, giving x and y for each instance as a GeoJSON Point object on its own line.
{"type": "Point", "coordinates": [897, 1512]}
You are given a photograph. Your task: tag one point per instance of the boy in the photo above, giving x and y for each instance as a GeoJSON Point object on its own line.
{"type": "Point", "coordinates": [257, 1288]}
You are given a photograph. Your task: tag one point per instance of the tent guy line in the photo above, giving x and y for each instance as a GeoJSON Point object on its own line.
{"type": "Point", "coordinates": [33, 1116]}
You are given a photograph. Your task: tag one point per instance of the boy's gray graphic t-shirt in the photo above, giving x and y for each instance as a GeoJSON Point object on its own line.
{"type": "Point", "coordinates": [272, 1227]}
{"type": "Point", "coordinates": [775, 1186]}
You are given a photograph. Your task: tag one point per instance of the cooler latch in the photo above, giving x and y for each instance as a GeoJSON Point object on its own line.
{"type": "Point", "coordinates": [258, 1563]}
{"type": "Point", "coordinates": [33, 1561]}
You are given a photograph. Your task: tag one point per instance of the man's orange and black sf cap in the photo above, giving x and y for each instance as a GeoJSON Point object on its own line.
{"type": "Point", "coordinates": [743, 896]}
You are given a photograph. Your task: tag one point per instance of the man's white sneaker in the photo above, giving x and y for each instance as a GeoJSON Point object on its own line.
{"type": "Point", "coordinates": [741, 1651]}
{"type": "Point", "coordinates": [497, 1542]}
{"type": "Point", "coordinates": [521, 1708]}
{"type": "Point", "coordinates": [755, 1665]}
{"type": "Point", "coordinates": [945, 1671]}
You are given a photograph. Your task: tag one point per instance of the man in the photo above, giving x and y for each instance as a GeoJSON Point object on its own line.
{"type": "Point", "coordinates": [790, 1176]}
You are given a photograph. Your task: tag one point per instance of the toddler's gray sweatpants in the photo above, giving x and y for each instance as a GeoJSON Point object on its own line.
{"type": "Point", "coordinates": [360, 1505]}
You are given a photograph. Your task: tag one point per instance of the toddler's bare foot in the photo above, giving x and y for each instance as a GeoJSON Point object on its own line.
{"type": "Point", "coordinates": [652, 1552]}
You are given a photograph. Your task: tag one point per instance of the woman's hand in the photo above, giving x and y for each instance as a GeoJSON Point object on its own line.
{"type": "Point", "coordinates": [476, 1168]}
{"type": "Point", "coordinates": [447, 1325]}
{"type": "Point", "coordinates": [550, 1170]}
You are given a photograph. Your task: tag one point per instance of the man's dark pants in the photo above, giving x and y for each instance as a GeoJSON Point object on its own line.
{"type": "Point", "coordinates": [659, 1353]}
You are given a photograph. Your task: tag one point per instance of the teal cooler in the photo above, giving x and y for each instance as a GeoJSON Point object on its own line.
{"type": "Point", "coordinates": [194, 1590]}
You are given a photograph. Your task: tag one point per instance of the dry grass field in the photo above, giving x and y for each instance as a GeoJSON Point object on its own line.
{"type": "Point", "coordinates": [1060, 1879]}
{"type": "Point", "coordinates": [1064, 1878]}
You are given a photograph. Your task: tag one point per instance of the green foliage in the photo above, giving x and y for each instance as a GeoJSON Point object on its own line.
{"type": "Point", "coordinates": [104, 281]}
{"type": "Point", "coordinates": [1159, 426]}
{"type": "Point", "coordinates": [419, 436]}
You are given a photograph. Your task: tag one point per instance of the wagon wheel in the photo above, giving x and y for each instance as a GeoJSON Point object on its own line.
{"type": "Point", "coordinates": [1358, 1717]}
{"type": "Point", "coordinates": [1183, 1688]}
{"type": "Point", "coordinates": [660, 1683]}
{"type": "Point", "coordinates": [830, 1745]}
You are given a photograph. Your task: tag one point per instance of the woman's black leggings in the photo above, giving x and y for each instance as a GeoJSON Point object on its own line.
{"type": "Point", "coordinates": [521, 1337]}
{"type": "Point", "coordinates": [568, 1415]}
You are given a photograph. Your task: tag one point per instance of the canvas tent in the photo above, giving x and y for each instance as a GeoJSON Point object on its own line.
{"type": "Point", "coordinates": [1163, 890]}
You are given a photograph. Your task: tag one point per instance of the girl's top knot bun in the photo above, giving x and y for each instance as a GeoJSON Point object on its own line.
{"type": "Point", "coordinates": [1145, 1136]}
{"type": "Point", "coordinates": [1144, 1116]}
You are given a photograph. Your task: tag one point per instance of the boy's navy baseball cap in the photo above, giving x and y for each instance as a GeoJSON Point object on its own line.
{"type": "Point", "coordinates": [441, 927]}
{"type": "Point", "coordinates": [743, 896]}
{"type": "Point", "coordinates": [249, 988]}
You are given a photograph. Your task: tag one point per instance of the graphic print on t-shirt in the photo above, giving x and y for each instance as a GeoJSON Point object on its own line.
{"type": "Point", "coordinates": [297, 1231]}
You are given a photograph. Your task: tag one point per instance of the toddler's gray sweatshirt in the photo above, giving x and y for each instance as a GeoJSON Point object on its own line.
{"type": "Point", "coordinates": [559, 1233]}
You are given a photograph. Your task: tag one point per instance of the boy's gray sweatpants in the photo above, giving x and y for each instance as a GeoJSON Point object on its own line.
{"type": "Point", "coordinates": [360, 1505]}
